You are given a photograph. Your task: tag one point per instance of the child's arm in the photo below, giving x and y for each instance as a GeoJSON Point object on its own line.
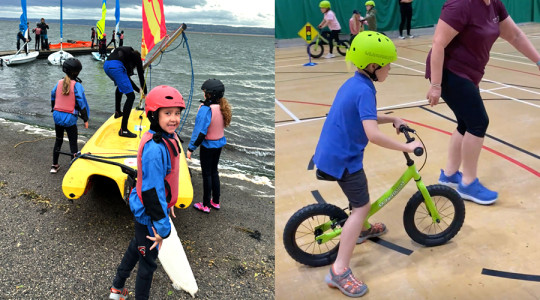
{"type": "Point", "coordinates": [80, 97]}
{"type": "Point", "coordinates": [375, 136]}
{"type": "Point", "coordinates": [202, 121]}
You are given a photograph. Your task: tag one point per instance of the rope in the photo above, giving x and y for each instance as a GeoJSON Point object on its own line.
{"type": "Point", "coordinates": [188, 106]}
{"type": "Point", "coordinates": [36, 140]}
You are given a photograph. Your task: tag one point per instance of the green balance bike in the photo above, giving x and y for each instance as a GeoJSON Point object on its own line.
{"type": "Point", "coordinates": [432, 217]}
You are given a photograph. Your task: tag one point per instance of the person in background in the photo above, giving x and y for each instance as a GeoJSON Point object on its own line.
{"type": "Point", "coordinates": [113, 40]}
{"type": "Point", "coordinates": [37, 32]}
{"type": "Point", "coordinates": [44, 37]}
{"type": "Point", "coordinates": [371, 15]}
{"type": "Point", "coordinates": [68, 102]}
{"type": "Point", "coordinates": [119, 66]}
{"type": "Point", "coordinates": [355, 25]}
{"type": "Point", "coordinates": [20, 36]}
{"type": "Point", "coordinates": [351, 124]}
{"type": "Point", "coordinates": [405, 8]}
{"type": "Point", "coordinates": [121, 38]}
{"type": "Point", "coordinates": [331, 21]}
{"type": "Point", "coordinates": [102, 45]}
{"type": "Point", "coordinates": [213, 116]}
{"type": "Point", "coordinates": [156, 191]}
{"type": "Point", "coordinates": [455, 65]}
{"type": "Point", "coordinates": [93, 37]}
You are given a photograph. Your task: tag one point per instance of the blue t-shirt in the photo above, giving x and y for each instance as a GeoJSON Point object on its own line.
{"type": "Point", "coordinates": [343, 139]}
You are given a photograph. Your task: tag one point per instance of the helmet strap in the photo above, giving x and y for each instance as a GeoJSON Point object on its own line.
{"type": "Point", "coordinates": [373, 76]}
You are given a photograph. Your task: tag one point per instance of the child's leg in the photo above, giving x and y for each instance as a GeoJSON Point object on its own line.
{"type": "Point", "coordinates": [334, 35]}
{"type": "Point", "coordinates": [72, 137]}
{"type": "Point", "coordinates": [58, 142]}
{"type": "Point", "coordinates": [206, 168]}
{"type": "Point", "coordinates": [117, 100]}
{"type": "Point", "coordinates": [216, 190]}
{"type": "Point", "coordinates": [147, 262]}
{"type": "Point", "coordinates": [127, 109]}
{"type": "Point", "coordinates": [126, 265]}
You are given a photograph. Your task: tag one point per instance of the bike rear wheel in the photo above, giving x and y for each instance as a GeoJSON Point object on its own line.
{"type": "Point", "coordinates": [315, 49]}
{"type": "Point", "coordinates": [342, 47]}
{"type": "Point", "coordinates": [419, 224]}
{"type": "Point", "coordinates": [299, 236]}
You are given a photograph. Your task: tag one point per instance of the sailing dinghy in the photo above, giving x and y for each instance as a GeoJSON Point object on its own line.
{"type": "Point", "coordinates": [58, 58]}
{"type": "Point", "coordinates": [18, 57]}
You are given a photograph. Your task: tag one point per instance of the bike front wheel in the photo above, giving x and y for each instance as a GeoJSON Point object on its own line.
{"type": "Point", "coordinates": [342, 47]}
{"type": "Point", "coordinates": [315, 49]}
{"type": "Point", "coordinates": [418, 222]}
{"type": "Point", "coordinates": [303, 228]}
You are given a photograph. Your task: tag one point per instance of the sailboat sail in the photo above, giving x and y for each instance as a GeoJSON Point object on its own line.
{"type": "Point", "coordinates": [117, 15]}
{"type": "Point", "coordinates": [100, 25]}
{"type": "Point", "coordinates": [154, 29]}
{"type": "Point", "coordinates": [23, 27]}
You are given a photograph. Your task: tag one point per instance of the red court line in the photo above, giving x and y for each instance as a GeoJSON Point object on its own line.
{"type": "Point", "coordinates": [302, 102]}
{"type": "Point", "coordinates": [519, 164]}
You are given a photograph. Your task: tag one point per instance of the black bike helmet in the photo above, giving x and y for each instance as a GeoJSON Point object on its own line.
{"type": "Point", "coordinates": [72, 67]}
{"type": "Point", "coordinates": [214, 87]}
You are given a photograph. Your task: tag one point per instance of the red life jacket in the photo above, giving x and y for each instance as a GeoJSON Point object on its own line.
{"type": "Point", "coordinates": [171, 180]}
{"type": "Point", "coordinates": [216, 129]}
{"type": "Point", "coordinates": [65, 103]}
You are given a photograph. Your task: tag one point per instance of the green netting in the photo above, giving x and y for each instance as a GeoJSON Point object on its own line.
{"type": "Point", "coordinates": [292, 15]}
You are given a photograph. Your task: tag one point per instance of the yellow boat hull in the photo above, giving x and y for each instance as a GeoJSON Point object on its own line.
{"type": "Point", "coordinates": [107, 143]}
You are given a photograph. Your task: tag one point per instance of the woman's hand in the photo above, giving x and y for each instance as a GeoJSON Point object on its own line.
{"type": "Point", "coordinates": [158, 241]}
{"type": "Point", "coordinates": [434, 94]}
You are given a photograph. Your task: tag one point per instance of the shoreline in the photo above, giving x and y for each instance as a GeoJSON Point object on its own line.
{"type": "Point", "coordinates": [61, 248]}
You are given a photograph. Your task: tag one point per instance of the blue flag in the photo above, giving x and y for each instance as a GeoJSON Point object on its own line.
{"type": "Point", "coordinates": [117, 15]}
{"type": "Point", "coordinates": [23, 27]}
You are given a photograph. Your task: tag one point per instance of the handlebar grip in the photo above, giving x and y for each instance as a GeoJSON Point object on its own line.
{"type": "Point", "coordinates": [418, 151]}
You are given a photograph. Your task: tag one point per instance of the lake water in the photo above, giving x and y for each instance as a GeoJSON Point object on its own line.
{"type": "Point", "coordinates": [245, 64]}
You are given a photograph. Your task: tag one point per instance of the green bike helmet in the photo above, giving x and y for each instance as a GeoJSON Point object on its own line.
{"type": "Point", "coordinates": [371, 47]}
{"type": "Point", "coordinates": [324, 4]}
{"type": "Point", "coordinates": [372, 3]}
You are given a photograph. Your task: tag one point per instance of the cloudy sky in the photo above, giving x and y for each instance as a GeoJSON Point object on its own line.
{"type": "Point", "coordinates": [253, 13]}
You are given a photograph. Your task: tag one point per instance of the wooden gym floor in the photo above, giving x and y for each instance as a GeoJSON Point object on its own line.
{"type": "Point", "coordinates": [496, 253]}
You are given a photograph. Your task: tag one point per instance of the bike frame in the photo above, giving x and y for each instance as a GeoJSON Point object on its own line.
{"type": "Point", "coordinates": [410, 173]}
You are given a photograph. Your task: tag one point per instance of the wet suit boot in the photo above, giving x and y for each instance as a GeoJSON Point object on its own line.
{"type": "Point", "coordinates": [127, 111]}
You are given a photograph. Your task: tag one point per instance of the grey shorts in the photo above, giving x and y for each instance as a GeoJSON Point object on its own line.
{"type": "Point", "coordinates": [355, 187]}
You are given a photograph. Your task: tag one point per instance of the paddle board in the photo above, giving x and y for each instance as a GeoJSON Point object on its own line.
{"type": "Point", "coordinates": [174, 261]}
{"type": "Point", "coordinates": [107, 144]}
{"type": "Point", "coordinates": [98, 57]}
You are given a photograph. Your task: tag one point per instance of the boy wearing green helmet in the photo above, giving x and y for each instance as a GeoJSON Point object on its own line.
{"type": "Point", "coordinates": [331, 21]}
{"type": "Point", "coordinates": [371, 15]}
{"type": "Point", "coordinates": [351, 123]}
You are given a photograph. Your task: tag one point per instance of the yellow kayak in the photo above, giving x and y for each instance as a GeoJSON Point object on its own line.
{"type": "Point", "coordinates": [105, 154]}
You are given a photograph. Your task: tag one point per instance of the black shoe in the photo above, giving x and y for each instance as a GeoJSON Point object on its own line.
{"type": "Point", "coordinates": [117, 114]}
{"type": "Point", "coordinates": [127, 133]}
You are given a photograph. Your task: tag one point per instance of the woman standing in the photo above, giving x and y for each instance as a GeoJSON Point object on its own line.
{"type": "Point", "coordinates": [464, 35]}
{"type": "Point", "coordinates": [405, 8]}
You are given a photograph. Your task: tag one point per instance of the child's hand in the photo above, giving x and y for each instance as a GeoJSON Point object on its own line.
{"type": "Point", "coordinates": [158, 241]}
{"type": "Point", "coordinates": [397, 124]}
{"type": "Point", "coordinates": [172, 212]}
{"type": "Point", "coordinates": [86, 124]}
{"type": "Point", "coordinates": [188, 154]}
{"type": "Point", "coordinates": [413, 145]}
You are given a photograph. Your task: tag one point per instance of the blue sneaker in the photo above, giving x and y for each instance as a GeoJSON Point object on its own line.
{"type": "Point", "coordinates": [477, 193]}
{"type": "Point", "coordinates": [451, 181]}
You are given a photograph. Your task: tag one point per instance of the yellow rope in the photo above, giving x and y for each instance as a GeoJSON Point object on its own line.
{"type": "Point", "coordinates": [36, 140]}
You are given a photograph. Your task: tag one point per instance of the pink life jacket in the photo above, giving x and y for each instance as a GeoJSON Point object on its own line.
{"type": "Point", "coordinates": [38, 31]}
{"type": "Point", "coordinates": [171, 180]}
{"type": "Point", "coordinates": [217, 125]}
{"type": "Point", "coordinates": [65, 103]}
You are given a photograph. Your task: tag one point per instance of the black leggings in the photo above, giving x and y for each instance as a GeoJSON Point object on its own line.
{"type": "Point", "coordinates": [406, 16]}
{"type": "Point", "coordinates": [209, 165]}
{"type": "Point", "coordinates": [463, 98]}
{"type": "Point", "coordinates": [72, 137]}
{"type": "Point", "coordinates": [127, 106]}
{"type": "Point", "coordinates": [332, 36]}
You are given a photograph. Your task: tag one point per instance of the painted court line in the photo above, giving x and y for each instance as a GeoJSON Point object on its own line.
{"type": "Point", "coordinates": [287, 111]}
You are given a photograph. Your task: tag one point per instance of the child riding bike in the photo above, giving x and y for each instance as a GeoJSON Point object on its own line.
{"type": "Point", "coordinates": [331, 21]}
{"type": "Point", "coordinates": [352, 122]}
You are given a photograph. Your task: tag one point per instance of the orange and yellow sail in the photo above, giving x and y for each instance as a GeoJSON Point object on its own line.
{"type": "Point", "coordinates": [154, 29]}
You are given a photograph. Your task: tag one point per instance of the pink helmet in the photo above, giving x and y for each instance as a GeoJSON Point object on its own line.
{"type": "Point", "coordinates": [104, 34]}
{"type": "Point", "coordinates": [163, 96]}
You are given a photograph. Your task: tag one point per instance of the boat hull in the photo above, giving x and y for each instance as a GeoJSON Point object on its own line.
{"type": "Point", "coordinates": [20, 58]}
{"type": "Point", "coordinates": [107, 143]}
{"type": "Point", "coordinates": [58, 58]}
{"type": "Point", "coordinates": [97, 56]}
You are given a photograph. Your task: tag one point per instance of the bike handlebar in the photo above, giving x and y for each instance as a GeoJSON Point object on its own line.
{"type": "Point", "coordinates": [418, 151]}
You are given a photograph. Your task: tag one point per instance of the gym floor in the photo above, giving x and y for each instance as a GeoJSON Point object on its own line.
{"type": "Point", "coordinates": [495, 254]}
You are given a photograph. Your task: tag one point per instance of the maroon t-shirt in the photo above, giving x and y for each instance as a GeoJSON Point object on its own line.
{"type": "Point", "coordinates": [477, 25]}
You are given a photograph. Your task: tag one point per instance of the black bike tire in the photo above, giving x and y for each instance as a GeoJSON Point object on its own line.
{"type": "Point", "coordinates": [431, 240]}
{"type": "Point", "coordinates": [289, 234]}
{"type": "Point", "coordinates": [315, 53]}
{"type": "Point", "coordinates": [341, 50]}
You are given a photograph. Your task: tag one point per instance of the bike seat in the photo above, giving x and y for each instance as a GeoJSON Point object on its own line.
{"type": "Point", "coordinates": [323, 176]}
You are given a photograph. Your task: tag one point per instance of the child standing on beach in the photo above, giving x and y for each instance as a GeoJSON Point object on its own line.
{"type": "Point", "coordinates": [352, 122]}
{"type": "Point", "coordinates": [331, 21]}
{"type": "Point", "coordinates": [68, 102]}
{"type": "Point", "coordinates": [213, 116]}
{"type": "Point", "coordinates": [156, 191]}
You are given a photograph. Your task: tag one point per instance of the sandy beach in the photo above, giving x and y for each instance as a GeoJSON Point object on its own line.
{"type": "Point", "coordinates": [56, 249]}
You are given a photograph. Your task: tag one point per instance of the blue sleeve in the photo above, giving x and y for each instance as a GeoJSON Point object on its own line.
{"type": "Point", "coordinates": [80, 97]}
{"type": "Point", "coordinates": [367, 107]}
{"type": "Point", "coordinates": [155, 166]}
{"type": "Point", "coordinates": [202, 121]}
{"type": "Point", "coordinates": [53, 93]}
